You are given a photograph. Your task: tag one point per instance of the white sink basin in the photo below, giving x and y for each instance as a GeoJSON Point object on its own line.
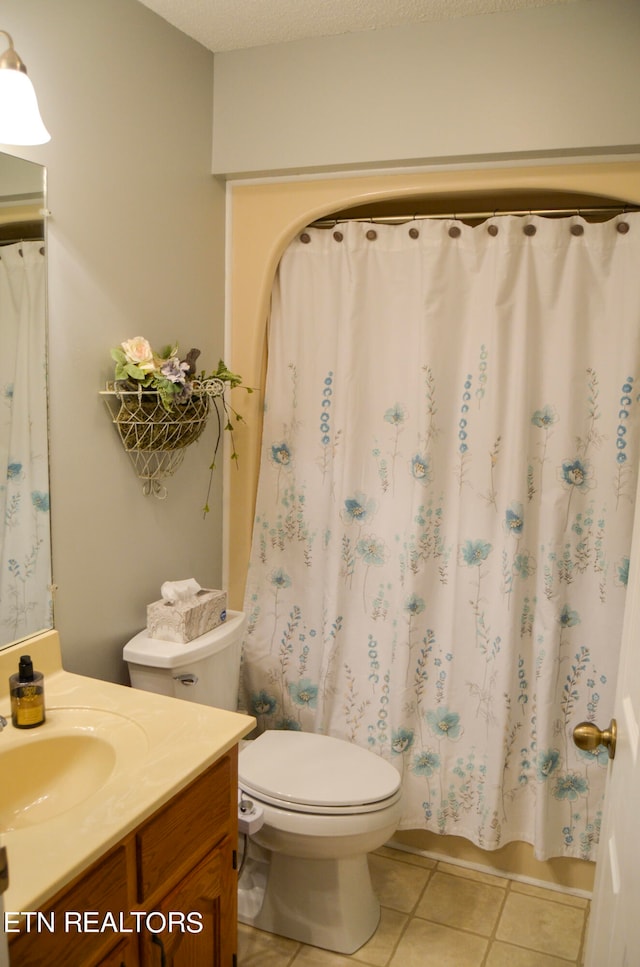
{"type": "Point", "coordinates": [49, 770]}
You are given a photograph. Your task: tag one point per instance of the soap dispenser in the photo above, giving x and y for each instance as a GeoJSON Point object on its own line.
{"type": "Point", "coordinates": [27, 695]}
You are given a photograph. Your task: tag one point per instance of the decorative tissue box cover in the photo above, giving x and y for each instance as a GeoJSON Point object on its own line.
{"type": "Point", "coordinates": [186, 620]}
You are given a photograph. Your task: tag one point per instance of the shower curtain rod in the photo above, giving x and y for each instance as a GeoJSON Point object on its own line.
{"type": "Point", "coordinates": [16, 241]}
{"type": "Point", "coordinates": [400, 219]}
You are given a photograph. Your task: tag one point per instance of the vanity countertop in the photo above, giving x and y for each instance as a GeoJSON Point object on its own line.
{"type": "Point", "coordinates": [167, 743]}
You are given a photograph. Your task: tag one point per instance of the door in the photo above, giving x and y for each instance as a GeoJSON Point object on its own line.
{"type": "Point", "coordinates": [209, 894]}
{"type": "Point", "coordinates": [614, 929]}
{"type": "Point", "coordinates": [124, 955]}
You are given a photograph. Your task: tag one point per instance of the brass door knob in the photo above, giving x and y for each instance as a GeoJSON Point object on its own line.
{"type": "Point", "coordinates": [588, 737]}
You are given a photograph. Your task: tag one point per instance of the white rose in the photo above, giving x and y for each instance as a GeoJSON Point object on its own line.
{"type": "Point", "coordinates": [139, 352]}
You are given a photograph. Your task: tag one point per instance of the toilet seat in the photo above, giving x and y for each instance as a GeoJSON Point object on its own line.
{"type": "Point", "coordinates": [308, 773]}
{"type": "Point", "coordinates": [296, 807]}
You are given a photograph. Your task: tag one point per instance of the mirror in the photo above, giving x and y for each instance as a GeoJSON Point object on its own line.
{"type": "Point", "coordinates": [25, 533]}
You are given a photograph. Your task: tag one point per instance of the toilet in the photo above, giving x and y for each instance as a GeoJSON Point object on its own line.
{"type": "Point", "coordinates": [326, 804]}
{"type": "Point", "coordinates": [205, 670]}
{"type": "Point", "coordinates": [313, 806]}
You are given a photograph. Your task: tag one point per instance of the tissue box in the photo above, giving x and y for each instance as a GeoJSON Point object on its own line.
{"type": "Point", "coordinates": [186, 620]}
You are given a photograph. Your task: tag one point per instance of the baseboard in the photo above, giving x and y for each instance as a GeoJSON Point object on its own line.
{"type": "Point", "coordinates": [490, 870]}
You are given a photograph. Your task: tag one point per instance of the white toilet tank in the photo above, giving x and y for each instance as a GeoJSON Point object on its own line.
{"type": "Point", "coordinates": [205, 670]}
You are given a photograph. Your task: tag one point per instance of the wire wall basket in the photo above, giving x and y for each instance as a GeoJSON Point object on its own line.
{"type": "Point", "coordinates": [154, 437]}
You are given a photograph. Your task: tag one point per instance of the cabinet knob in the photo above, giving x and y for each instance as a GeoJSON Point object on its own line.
{"type": "Point", "coordinates": [158, 942]}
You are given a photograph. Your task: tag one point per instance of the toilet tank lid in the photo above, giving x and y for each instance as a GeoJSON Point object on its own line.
{"type": "Point", "coordinates": [155, 653]}
{"type": "Point", "coordinates": [311, 769]}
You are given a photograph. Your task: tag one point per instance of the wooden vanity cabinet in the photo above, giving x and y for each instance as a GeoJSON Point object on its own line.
{"type": "Point", "coordinates": [206, 890]}
{"type": "Point", "coordinates": [171, 883]}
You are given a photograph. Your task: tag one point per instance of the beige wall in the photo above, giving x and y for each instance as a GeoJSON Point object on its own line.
{"type": "Point", "coordinates": [549, 80]}
{"type": "Point", "coordinates": [135, 247]}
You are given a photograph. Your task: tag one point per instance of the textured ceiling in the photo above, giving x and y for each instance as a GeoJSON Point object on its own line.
{"type": "Point", "coordinates": [233, 24]}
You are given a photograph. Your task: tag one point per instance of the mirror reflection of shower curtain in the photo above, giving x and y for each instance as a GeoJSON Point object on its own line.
{"type": "Point", "coordinates": [442, 531]}
{"type": "Point", "coordinates": [25, 554]}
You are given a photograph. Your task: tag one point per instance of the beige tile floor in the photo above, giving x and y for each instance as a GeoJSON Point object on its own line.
{"type": "Point", "coordinates": [435, 914]}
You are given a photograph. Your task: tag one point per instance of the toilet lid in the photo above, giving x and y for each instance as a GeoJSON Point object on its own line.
{"type": "Point", "coordinates": [304, 769]}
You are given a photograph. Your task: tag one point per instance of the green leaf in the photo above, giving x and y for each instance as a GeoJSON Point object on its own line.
{"type": "Point", "coordinates": [135, 372]}
{"type": "Point", "coordinates": [226, 375]}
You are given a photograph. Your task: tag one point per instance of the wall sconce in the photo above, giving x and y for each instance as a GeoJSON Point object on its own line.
{"type": "Point", "coordinates": [20, 121]}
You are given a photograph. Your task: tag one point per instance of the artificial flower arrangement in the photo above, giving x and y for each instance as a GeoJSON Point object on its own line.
{"type": "Point", "coordinates": [164, 372]}
{"type": "Point", "coordinates": [177, 388]}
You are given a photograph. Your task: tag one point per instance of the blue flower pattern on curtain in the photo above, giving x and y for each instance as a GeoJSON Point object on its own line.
{"type": "Point", "coordinates": [442, 533]}
{"type": "Point", "coordinates": [25, 542]}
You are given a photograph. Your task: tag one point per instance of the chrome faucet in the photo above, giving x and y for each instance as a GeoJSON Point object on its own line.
{"type": "Point", "coordinates": [3, 722]}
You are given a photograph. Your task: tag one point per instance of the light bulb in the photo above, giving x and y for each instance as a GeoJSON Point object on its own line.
{"type": "Point", "coordinates": [20, 121]}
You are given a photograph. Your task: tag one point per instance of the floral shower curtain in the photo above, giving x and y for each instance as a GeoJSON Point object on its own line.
{"type": "Point", "coordinates": [25, 553]}
{"type": "Point", "coordinates": [442, 532]}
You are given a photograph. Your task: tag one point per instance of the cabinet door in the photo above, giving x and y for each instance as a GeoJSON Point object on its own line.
{"type": "Point", "coordinates": [103, 888]}
{"type": "Point", "coordinates": [125, 955]}
{"type": "Point", "coordinates": [184, 831]}
{"type": "Point", "coordinates": [199, 917]}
